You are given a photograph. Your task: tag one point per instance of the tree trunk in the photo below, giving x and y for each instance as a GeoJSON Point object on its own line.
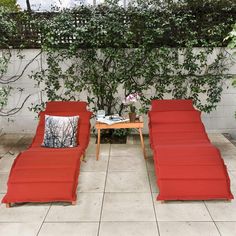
{"type": "Point", "coordinates": [28, 6]}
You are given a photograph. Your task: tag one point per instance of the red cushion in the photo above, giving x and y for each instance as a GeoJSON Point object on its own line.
{"type": "Point", "coordinates": [206, 189]}
{"type": "Point", "coordinates": [179, 138]}
{"type": "Point", "coordinates": [178, 128]}
{"type": "Point", "coordinates": [191, 172]}
{"type": "Point", "coordinates": [66, 106]}
{"type": "Point", "coordinates": [175, 117]}
{"type": "Point", "coordinates": [39, 175]}
{"type": "Point", "coordinates": [40, 192]}
{"type": "Point", "coordinates": [187, 165]}
{"type": "Point", "coordinates": [42, 174]}
{"type": "Point", "coordinates": [172, 105]}
{"type": "Point", "coordinates": [52, 158]}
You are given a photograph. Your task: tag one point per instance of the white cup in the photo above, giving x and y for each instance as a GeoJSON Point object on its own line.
{"type": "Point", "coordinates": [100, 114]}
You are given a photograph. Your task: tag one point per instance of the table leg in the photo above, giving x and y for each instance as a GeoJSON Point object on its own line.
{"type": "Point", "coordinates": [142, 143]}
{"type": "Point", "coordinates": [98, 144]}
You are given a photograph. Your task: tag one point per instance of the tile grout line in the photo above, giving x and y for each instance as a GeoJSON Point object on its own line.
{"type": "Point", "coordinates": [44, 220]}
{"type": "Point", "coordinates": [100, 219]}
{"type": "Point", "coordinates": [153, 204]}
{"type": "Point", "coordinates": [212, 218]}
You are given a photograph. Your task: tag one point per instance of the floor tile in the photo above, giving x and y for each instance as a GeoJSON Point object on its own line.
{"type": "Point", "coordinates": [91, 164]}
{"type": "Point", "coordinates": [16, 229]}
{"type": "Point", "coordinates": [135, 139]}
{"type": "Point", "coordinates": [128, 207]}
{"type": "Point", "coordinates": [31, 213]}
{"type": "Point", "coordinates": [126, 163]}
{"type": "Point", "coordinates": [127, 182]}
{"type": "Point", "coordinates": [181, 211]}
{"type": "Point", "coordinates": [91, 182]}
{"type": "Point", "coordinates": [10, 139]}
{"type": "Point", "coordinates": [21, 145]}
{"type": "Point", "coordinates": [128, 229]}
{"type": "Point", "coordinates": [229, 157]}
{"type": "Point", "coordinates": [232, 176]}
{"type": "Point", "coordinates": [3, 182]}
{"type": "Point", "coordinates": [216, 137]}
{"type": "Point", "coordinates": [188, 229]}
{"type": "Point", "coordinates": [6, 162]}
{"type": "Point", "coordinates": [227, 228]}
{"type": "Point", "coordinates": [104, 150]}
{"type": "Point", "coordinates": [4, 149]}
{"type": "Point", "coordinates": [231, 164]}
{"type": "Point", "coordinates": [150, 164]}
{"type": "Point", "coordinates": [27, 139]}
{"type": "Point", "coordinates": [88, 208]}
{"type": "Point", "coordinates": [227, 149]}
{"type": "Point", "coordinates": [149, 152]}
{"type": "Point", "coordinates": [222, 210]}
{"type": "Point", "coordinates": [69, 229]}
{"type": "Point", "coordinates": [153, 181]}
{"type": "Point", "coordinates": [134, 151]}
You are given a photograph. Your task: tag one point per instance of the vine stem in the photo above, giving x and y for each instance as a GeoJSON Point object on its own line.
{"type": "Point", "coordinates": [15, 109]}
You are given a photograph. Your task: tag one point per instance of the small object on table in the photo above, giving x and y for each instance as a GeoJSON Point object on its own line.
{"type": "Point", "coordinates": [112, 119]}
{"type": "Point", "coordinates": [100, 114]}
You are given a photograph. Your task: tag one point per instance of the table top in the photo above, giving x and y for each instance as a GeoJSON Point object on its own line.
{"type": "Point", "coordinates": [121, 125]}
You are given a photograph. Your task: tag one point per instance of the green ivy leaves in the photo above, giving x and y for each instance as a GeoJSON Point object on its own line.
{"type": "Point", "coordinates": [156, 48]}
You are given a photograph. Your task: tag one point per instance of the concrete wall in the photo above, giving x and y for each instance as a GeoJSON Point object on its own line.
{"type": "Point", "coordinates": [221, 120]}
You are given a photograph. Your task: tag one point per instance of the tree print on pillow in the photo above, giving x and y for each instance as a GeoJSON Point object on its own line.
{"type": "Point", "coordinates": [60, 131]}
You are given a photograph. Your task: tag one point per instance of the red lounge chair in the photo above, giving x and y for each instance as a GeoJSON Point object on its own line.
{"type": "Point", "coordinates": [50, 174]}
{"type": "Point", "coordinates": [187, 165]}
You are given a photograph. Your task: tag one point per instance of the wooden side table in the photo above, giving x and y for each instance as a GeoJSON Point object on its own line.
{"type": "Point", "coordinates": [124, 125]}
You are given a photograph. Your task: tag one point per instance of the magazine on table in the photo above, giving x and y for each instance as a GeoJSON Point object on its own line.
{"type": "Point", "coordinates": [112, 119]}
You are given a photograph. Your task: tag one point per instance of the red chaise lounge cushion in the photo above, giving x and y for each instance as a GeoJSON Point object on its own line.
{"type": "Point", "coordinates": [42, 174]}
{"type": "Point", "coordinates": [187, 165]}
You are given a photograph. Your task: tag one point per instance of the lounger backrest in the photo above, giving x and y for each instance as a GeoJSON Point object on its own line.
{"type": "Point", "coordinates": [175, 117]}
{"type": "Point", "coordinates": [64, 106]}
{"type": "Point", "coordinates": [172, 105]}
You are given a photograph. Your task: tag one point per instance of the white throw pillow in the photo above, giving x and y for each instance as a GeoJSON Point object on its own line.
{"type": "Point", "coordinates": [60, 131]}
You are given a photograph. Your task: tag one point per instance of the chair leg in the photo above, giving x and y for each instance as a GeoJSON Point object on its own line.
{"type": "Point", "coordinates": [83, 157]}
{"type": "Point", "coordinates": [73, 203]}
{"type": "Point", "coordinates": [8, 205]}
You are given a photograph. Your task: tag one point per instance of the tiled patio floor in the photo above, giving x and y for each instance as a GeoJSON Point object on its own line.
{"type": "Point", "coordinates": [116, 197]}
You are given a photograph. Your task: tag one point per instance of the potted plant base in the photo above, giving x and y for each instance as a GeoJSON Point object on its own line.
{"type": "Point", "coordinates": [132, 116]}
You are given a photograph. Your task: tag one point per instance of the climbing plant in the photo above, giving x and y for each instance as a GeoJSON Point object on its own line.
{"type": "Point", "coordinates": [231, 38]}
{"type": "Point", "coordinates": [156, 48]}
{"type": "Point", "coordinates": [8, 29]}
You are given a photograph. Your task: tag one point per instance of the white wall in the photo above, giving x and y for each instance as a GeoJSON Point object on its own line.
{"type": "Point", "coordinates": [221, 120]}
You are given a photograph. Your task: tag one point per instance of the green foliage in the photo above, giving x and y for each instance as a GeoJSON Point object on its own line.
{"type": "Point", "coordinates": [155, 48]}
{"type": "Point", "coordinates": [10, 5]}
{"type": "Point", "coordinates": [232, 38]}
{"type": "Point", "coordinates": [7, 27]}
{"type": "Point", "coordinates": [4, 92]}
{"type": "Point", "coordinates": [232, 45]}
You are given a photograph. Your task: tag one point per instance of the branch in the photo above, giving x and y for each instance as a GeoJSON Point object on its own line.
{"type": "Point", "coordinates": [17, 77]}
{"type": "Point", "coordinates": [16, 109]}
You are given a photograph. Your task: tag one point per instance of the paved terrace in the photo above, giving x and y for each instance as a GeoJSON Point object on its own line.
{"type": "Point", "coordinates": [116, 197]}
